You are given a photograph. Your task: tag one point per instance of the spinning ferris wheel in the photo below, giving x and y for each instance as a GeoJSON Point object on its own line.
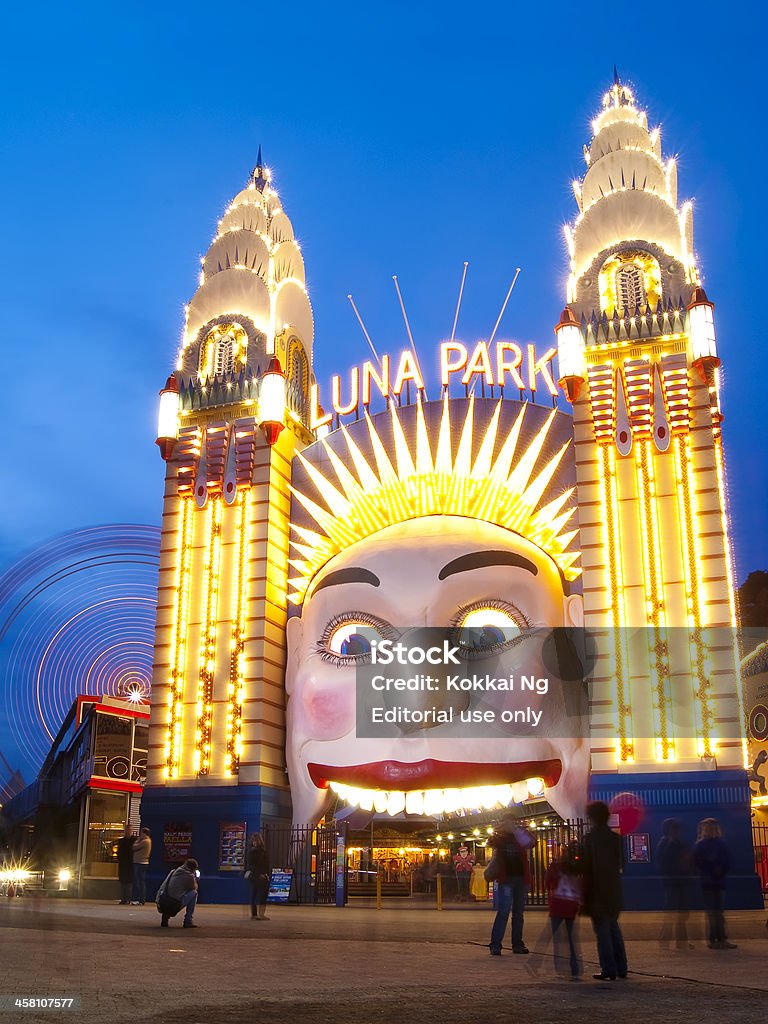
{"type": "Point", "coordinates": [76, 617]}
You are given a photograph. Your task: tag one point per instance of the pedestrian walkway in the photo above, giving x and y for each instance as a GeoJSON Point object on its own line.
{"type": "Point", "coordinates": [356, 963]}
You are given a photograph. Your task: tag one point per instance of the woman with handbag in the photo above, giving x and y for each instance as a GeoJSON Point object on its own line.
{"type": "Point", "coordinates": [258, 871]}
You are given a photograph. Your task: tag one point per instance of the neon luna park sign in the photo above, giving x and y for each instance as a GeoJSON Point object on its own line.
{"type": "Point", "coordinates": [498, 364]}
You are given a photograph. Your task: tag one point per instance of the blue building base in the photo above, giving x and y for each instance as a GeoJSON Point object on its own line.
{"type": "Point", "coordinates": [203, 811]}
{"type": "Point", "coordinates": [689, 797]}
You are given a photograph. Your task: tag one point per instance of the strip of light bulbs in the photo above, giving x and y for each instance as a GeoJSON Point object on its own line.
{"type": "Point", "coordinates": [434, 802]}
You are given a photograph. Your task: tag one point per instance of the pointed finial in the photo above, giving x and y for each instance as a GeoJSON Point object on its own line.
{"type": "Point", "coordinates": [615, 76]}
{"type": "Point", "coordinates": [259, 178]}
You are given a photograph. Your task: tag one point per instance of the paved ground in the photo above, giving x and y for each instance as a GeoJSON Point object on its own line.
{"type": "Point", "coordinates": [357, 965]}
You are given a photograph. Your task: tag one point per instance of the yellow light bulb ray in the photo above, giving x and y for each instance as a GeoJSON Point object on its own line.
{"type": "Point", "coordinates": [405, 467]}
{"type": "Point", "coordinates": [368, 479]}
{"type": "Point", "coordinates": [337, 502]}
{"type": "Point", "coordinates": [482, 466]}
{"type": "Point", "coordinates": [503, 464]}
{"type": "Point", "coordinates": [546, 515]}
{"type": "Point", "coordinates": [439, 484]}
{"type": "Point", "coordinates": [443, 457]}
{"type": "Point", "coordinates": [424, 462]}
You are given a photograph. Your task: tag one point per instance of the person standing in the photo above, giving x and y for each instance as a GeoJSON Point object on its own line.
{"type": "Point", "coordinates": [564, 889]}
{"type": "Point", "coordinates": [713, 862]}
{"type": "Point", "coordinates": [142, 848]}
{"type": "Point", "coordinates": [258, 871]}
{"type": "Point", "coordinates": [125, 865]}
{"type": "Point", "coordinates": [602, 864]}
{"type": "Point", "coordinates": [510, 845]}
{"type": "Point", "coordinates": [673, 855]}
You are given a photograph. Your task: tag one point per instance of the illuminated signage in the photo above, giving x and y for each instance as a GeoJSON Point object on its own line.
{"type": "Point", "coordinates": [500, 364]}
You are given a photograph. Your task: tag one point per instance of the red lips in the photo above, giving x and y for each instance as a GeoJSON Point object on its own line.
{"type": "Point", "coordinates": [431, 774]}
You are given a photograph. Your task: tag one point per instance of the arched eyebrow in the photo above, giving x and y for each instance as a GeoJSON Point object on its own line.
{"type": "Point", "coordinates": [355, 574]}
{"type": "Point", "coordinates": [482, 559]}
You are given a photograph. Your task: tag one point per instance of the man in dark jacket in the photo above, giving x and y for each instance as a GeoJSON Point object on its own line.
{"type": "Point", "coordinates": [602, 864]}
{"type": "Point", "coordinates": [511, 844]}
{"type": "Point", "coordinates": [125, 864]}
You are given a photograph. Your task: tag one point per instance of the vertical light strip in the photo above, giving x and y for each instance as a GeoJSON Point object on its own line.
{"type": "Point", "coordinates": [211, 568]}
{"type": "Point", "coordinates": [725, 526]}
{"type": "Point", "coordinates": [612, 547]}
{"type": "Point", "coordinates": [688, 517]}
{"type": "Point", "coordinates": [178, 651]}
{"type": "Point", "coordinates": [236, 687]}
{"type": "Point", "coordinates": [654, 597]}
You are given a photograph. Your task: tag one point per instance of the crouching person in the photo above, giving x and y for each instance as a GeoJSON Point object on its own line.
{"type": "Point", "coordinates": [179, 890]}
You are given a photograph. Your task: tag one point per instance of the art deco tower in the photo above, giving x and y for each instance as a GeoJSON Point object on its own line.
{"type": "Point", "coordinates": [638, 361]}
{"type": "Point", "coordinates": [244, 371]}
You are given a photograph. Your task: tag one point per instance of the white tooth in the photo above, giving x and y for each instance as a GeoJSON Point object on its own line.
{"type": "Point", "coordinates": [470, 797]}
{"type": "Point", "coordinates": [395, 802]}
{"type": "Point", "coordinates": [490, 797]}
{"type": "Point", "coordinates": [504, 795]}
{"type": "Point", "coordinates": [535, 787]}
{"type": "Point", "coordinates": [414, 802]}
{"type": "Point", "coordinates": [519, 792]}
{"type": "Point", "coordinates": [433, 802]}
{"type": "Point", "coordinates": [335, 787]}
{"type": "Point", "coordinates": [451, 800]}
{"type": "Point", "coordinates": [380, 801]}
{"type": "Point", "coordinates": [366, 799]}
{"type": "Point", "coordinates": [353, 797]}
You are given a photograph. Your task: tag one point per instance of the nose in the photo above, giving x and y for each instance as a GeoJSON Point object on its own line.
{"type": "Point", "coordinates": [438, 696]}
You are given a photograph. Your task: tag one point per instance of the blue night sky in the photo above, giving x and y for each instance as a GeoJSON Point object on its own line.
{"type": "Point", "coordinates": [403, 138]}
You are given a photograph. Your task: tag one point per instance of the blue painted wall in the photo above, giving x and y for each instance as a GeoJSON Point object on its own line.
{"type": "Point", "coordinates": [689, 797]}
{"type": "Point", "coordinates": [206, 808]}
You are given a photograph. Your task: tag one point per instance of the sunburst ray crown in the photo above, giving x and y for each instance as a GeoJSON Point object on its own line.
{"type": "Point", "coordinates": [398, 482]}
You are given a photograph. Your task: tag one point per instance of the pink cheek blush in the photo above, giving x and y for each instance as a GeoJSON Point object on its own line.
{"type": "Point", "coordinates": [329, 708]}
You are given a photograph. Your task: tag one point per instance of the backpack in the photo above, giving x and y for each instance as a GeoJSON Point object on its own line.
{"type": "Point", "coordinates": [167, 905]}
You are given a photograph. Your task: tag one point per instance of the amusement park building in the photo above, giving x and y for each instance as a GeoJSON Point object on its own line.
{"type": "Point", "coordinates": [617, 507]}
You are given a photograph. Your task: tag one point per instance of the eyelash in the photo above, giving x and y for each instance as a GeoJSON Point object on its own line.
{"type": "Point", "coordinates": [495, 603]}
{"type": "Point", "coordinates": [364, 618]}
{"type": "Point", "coordinates": [524, 624]}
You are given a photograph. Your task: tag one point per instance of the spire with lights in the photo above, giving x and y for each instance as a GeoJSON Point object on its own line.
{"type": "Point", "coordinates": [638, 362]}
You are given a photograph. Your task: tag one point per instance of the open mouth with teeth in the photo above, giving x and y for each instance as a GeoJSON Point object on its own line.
{"type": "Point", "coordinates": [435, 787]}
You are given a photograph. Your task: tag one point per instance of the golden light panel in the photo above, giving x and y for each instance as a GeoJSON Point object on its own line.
{"type": "Point", "coordinates": [503, 490]}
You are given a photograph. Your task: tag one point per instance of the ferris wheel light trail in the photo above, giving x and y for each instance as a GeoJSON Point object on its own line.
{"type": "Point", "coordinates": [76, 616]}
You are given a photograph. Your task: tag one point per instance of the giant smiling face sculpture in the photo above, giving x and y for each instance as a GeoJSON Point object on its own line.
{"type": "Point", "coordinates": [395, 578]}
{"type": "Point", "coordinates": [444, 571]}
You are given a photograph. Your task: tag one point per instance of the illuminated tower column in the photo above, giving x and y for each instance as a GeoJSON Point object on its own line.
{"type": "Point", "coordinates": [638, 362]}
{"type": "Point", "coordinates": [231, 417]}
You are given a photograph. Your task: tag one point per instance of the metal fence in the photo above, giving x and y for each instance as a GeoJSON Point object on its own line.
{"type": "Point", "coordinates": [549, 839]}
{"type": "Point", "coordinates": [310, 853]}
{"type": "Point", "coordinates": [760, 845]}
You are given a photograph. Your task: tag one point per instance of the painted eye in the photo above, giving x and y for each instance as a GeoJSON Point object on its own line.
{"type": "Point", "coordinates": [352, 640]}
{"type": "Point", "coordinates": [347, 638]}
{"type": "Point", "coordinates": [482, 628]}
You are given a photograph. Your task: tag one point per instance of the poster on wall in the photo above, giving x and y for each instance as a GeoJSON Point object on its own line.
{"type": "Point", "coordinates": [177, 842]}
{"type": "Point", "coordinates": [231, 845]}
{"type": "Point", "coordinates": [639, 847]}
{"type": "Point", "coordinates": [280, 885]}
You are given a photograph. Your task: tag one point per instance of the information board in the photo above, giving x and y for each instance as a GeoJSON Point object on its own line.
{"type": "Point", "coordinates": [280, 885]}
{"type": "Point", "coordinates": [231, 845]}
